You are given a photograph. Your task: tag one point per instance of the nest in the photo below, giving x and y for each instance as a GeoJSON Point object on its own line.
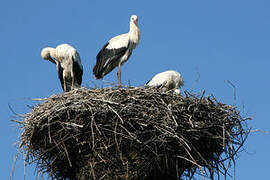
{"type": "Point", "coordinates": [132, 133]}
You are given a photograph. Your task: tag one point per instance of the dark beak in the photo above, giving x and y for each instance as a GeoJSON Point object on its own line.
{"type": "Point", "coordinates": [52, 60]}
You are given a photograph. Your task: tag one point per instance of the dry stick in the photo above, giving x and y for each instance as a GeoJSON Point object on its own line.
{"type": "Point", "coordinates": [116, 114]}
{"type": "Point", "coordinates": [92, 131]}
{"type": "Point", "coordinates": [197, 153]}
{"type": "Point", "coordinates": [234, 91]}
{"type": "Point", "coordinates": [127, 171]}
{"type": "Point", "coordinates": [196, 163]}
{"type": "Point", "coordinates": [24, 166]}
{"type": "Point", "coordinates": [73, 124]}
{"type": "Point", "coordinates": [170, 112]}
{"type": "Point", "coordinates": [176, 168]}
{"type": "Point", "coordinates": [106, 101]}
{"type": "Point", "coordinates": [13, 166]}
{"type": "Point", "coordinates": [115, 135]}
{"type": "Point", "coordinates": [57, 144]}
{"type": "Point", "coordinates": [19, 115]}
{"type": "Point", "coordinates": [67, 155]}
{"type": "Point", "coordinates": [130, 134]}
{"type": "Point", "coordinates": [223, 128]}
{"type": "Point", "coordinates": [197, 80]}
{"type": "Point", "coordinates": [92, 124]}
{"type": "Point", "coordinates": [93, 171]}
{"type": "Point", "coordinates": [49, 131]}
{"type": "Point", "coordinates": [192, 161]}
{"type": "Point", "coordinates": [16, 121]}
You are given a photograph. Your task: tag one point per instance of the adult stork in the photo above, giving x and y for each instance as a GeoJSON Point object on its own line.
{"type": "Point", "coordinates": [68, 64]}
{"type": "Point", "coordinates": [117, 51]}
{"type": "Point", "coordinates": [168, 80]}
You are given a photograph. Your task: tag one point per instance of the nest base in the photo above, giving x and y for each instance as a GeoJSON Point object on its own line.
{"type": "Point", "coordinates": [131, 133]}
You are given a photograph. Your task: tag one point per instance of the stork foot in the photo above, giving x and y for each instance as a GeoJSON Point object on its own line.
{"type": "Point", "coordinates": [119, 86]}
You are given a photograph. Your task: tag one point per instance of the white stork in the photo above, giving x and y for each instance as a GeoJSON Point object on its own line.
{"type": "Point", "coordinates": [117, 51]}
{"type": "Point", "coordinates": [68, 63]}
{"type": "Point", "coordinates": [168, 80]}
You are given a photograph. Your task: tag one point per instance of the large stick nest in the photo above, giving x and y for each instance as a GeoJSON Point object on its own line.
{"type": "Point", "coordinates": [132, 133]}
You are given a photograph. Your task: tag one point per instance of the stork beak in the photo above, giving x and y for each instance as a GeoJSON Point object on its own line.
{"type": "Point", "coordinates": [52, 60]}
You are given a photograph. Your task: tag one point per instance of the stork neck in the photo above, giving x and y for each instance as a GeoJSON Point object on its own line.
{"type": "Point", "coordinates": [134, 33]}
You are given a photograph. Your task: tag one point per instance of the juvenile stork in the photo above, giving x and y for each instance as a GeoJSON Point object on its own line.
{"type": "Point", "coordinates": [117, 51]}
{"type": "Point", "coordinates": [168, 80]}
{"type": "Point", "coordinates": [68, 64]}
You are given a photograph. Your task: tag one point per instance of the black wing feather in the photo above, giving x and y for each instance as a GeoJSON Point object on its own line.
{"type": "Point", "coordinates": [78, 72]}
{"type": "Point", "coordinates": [158, 86]}
{"type": "Point", "coordinates": [60, 74]}
{"type": "Point", "coordinates": [148, 81]}
{"type": "Point", "coordinates": [107, 60]}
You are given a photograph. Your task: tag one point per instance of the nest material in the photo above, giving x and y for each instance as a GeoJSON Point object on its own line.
{"type": "Point", "coordinates": [132, 133]}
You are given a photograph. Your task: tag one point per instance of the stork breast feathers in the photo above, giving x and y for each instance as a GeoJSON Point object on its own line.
{"type": "Point", "coordinates": [118, 42]}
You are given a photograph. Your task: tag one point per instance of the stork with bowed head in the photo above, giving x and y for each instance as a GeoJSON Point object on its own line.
{"type": "Point", "coordinates": [68, 64]}
{"type": "Point", "coordinates": [117, 51]}
{"type": "Point", "coordinates": [168, 80]}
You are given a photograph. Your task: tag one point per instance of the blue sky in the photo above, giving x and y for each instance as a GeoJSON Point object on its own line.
{"type": "Point", "coordinates": [219, 40]}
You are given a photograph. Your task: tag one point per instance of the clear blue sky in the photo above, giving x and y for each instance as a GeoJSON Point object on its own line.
{"type": "Point", "coordinates": [220, 40]}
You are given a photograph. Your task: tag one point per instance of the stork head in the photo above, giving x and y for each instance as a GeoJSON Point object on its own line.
{"type": "Point", "coordinates": [46, 53]}
{"type": "Point", "coordinates": [134, 19]}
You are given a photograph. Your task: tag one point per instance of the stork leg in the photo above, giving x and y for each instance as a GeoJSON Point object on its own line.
{"type": "Point", "coordinates": [119, 75]}
{"type": "Point", "coordinates": [72, 84]}
{"type": "Point", "coordinates": [72, 81]}
{"type": "Point", "coordinates": [65, 85]}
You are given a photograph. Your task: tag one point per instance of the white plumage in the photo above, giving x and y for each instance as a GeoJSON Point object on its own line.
{"type": "Point", "coordinates": [117, 51]}
{"type": "Point", "coordinates": [168, 80]}
{"type": "Point", "coordinates": [68, 62]}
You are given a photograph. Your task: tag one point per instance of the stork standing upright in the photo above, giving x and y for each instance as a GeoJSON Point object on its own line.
{"type": "Point", "coordinates": [117, 51]}
{"type": "Point", "coordinates": [68, 63]}
{"type": "Point", "coordinates": [167, 80]}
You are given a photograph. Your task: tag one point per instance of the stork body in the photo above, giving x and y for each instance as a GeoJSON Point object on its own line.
{"type": "Point", "coordinates": [68, 64]}
{"type": "Point", "coordinates": [168, 80]}
{"type": "Point", "coordinates": [117, 51]}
